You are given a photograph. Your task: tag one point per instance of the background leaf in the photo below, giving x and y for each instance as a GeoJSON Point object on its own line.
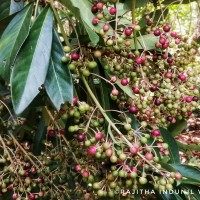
{"type": "Point", "coordinates": [8, 7]}
{"type": "Point", "coordinates": [58, 84]}
{"type": "Point", "coordinates": [177, 127]}
{"type": "Point", "coordinates": [12, 39]}
{"type": "Point", "coordinates": [82, 10]}
{"type": "Point", "coordinates": [173, 147]}
{"type": "Point", "coordinates": [30, 73]}
{"type": "Point", "coordinates": [145, 42]}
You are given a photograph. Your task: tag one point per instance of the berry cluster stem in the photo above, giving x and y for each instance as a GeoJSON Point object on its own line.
{"type": "Point", "coordinates": [133, 21]}
{"type": "Point", "coordinates": [59, 23]}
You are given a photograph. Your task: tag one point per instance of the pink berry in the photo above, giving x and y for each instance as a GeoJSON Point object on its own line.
{"type": "Point", "coordinates": [115, 92]}
{"type": "Point", "coordinates": [170, 60]}
{"type": "Point", "coordinates": [95, 21]}
{"type": "Point", "coordinates": [182, 77]}
{"type": "Point", "coordinates": [75, 100]}
{"type": "Point", "coordinates": [92, 150]}
{"type": "Point", "coordinates": [106, 27]}
{"type": "Point", "coordinates": [168, 75]}
{"type": "Point", "coordinates": [78, 168]}
{"type": "Point", "coordinates": [113, 11]}
{"type": "Point", "coordinates": [149, 156]}
{"type": "Point", "coordinates": [15, 196]}
{"type": "Point", "coordinates": [166, 28]}
{"type": "Point", "coordinates": [195, 98]}
{"type": "Point", "coordinates": [133, 150]}
{"type": "Point", "coordinates": [113, 79]}
{"type": "Point", "coordinates": [188, 99]}
{"type": "Point", "coordinates": [133, 109]}
{"type": "Point", "coordinates": [128, 31]}
{"type": "Point", "coordinates": [99, 6]}
{"type": "Point", "coordinates": [85, 173]}
{"type": "Point", "coordinates": [75, 56]}
{"type": "Point", "coordinates": [177, 176]}
{"type": "Point", "coordinates": [99, 136]}
{"type": "Point", "coordinates": [155, 132]}
{"type": "Point", "coordinates": [173, 34]}
{"type": "Point", "coordinates": [162, 40]}
{"type": "Point", "coordinates": [138, 60]}
{"type": "Point", "coordinates": [124, 81]}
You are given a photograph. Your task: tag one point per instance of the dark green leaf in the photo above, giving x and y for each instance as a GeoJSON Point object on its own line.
{"type": "Point", "coordinates": [4, 23]}
{"type": "Point", "coordinates": [12, 39]}
{"type": "Point", "coordinates": [32, 62]}
{"type": "Point", "coordinates": [58, 84]}
{"type": "Point", "coordinates": [173, 147]}
{"type": "Point", "coordinates": [187, 171]}
{"type": "Point", "coordinates": [177, 127]}
{"type": "Point", "coordinates": [194, 191]}
{"type": "Point", "coordinates": [145, 42]}
{"type": "Point", "coordinates": [187, 147]}
{"type": "Point", "coordinates": [82, 10]}
{"type": "Point", "coordinates": [168, 196]}
{"type": "Point", "coordinates": [128, 3]}
{"type": "Point", "coordinates": [8, 7]}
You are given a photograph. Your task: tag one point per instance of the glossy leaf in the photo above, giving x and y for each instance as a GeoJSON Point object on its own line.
{"type": "Point", "coordinates": [82, 10]}
{"type": "Point", "coordinates": [177, 127]}
{"type": "Point", "coordinates": [8, 7]}
{"type": "Point", "coordinates": [173, 147]}
{"type": "Point", "coordinates": [4, 23]}
{"type": "Point", "coordinates": [12, 39]}
{"type": "Point", "coordinates": [187, 171]}
{"type": "Point", "coordinates": [58, 84]}
{"type": "Point", "coordinates": [32, 62]}
{"type": "Point", "coordinates": [145, 42]}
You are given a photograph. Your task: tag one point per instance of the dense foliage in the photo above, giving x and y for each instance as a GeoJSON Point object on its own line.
{"type": "Point", "coordinates": [92, 95]}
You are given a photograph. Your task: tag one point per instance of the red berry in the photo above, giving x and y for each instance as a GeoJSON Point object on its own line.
{"type": "Point", "coordinates": [157, 102]}
{"type": "Point", "coordinates": [173, 34]}
{"type": "Point", "coordinates": [31, 196]}
{"type": "Point", "coordinates": [195, 98]}
{"type": "Point", "coordinates": [170, 60]}
{"type": "Point", "coordinates": [164, 56]}
{"type": "Point", "coordinates": [153, 88]}
{"type": "Point", "coordinates": [155, 132]}
{"type": "Point", "coordinates": [136, 90]}
{"type": "Point", "coordinates": [157, 32]}
{"type": "Point", "coordinates": [149, 23]}
{"type": "Point", "coordinates": [124, 81]}
{"type": "Point", "coordinates": [75, 100]}
{"type": "Point", "coordinates": [113, 11]}
{"type": "Point", "coordinates": [128, 31]}
{"type": "Point", "coordinates": [51, 133]}
{"type": "Point", "coordinates": [94, 9]}
{"type": "Point", "coordinates": [182, 77]}
{"type": "Point", "coordinates": [92, 150]}
{"type": "Point", "coordinates": [95, 21]}
{"type": "Point", "coordinates": [162, 40]}
{"type": "Point", "coordinates": [62, 131]}
{"type": "Point", "coordinates": [166, 28]}
{"type": "Point", "coordinates": [133, 109]}
{"type": "Point", "coordinates": [80, 137]}
{"type": "Point", "coordinates": [75, 56]}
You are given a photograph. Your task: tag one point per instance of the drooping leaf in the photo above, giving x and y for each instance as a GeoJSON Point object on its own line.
{"type": "Point", "coordinates": [173, 147]}
{"type": "Point", "coordinates": [82, 10]}
{"type": "Point", "coordinates": [177, 127]}
{"type": "Point", "coordinates": [58, 84]}
{"type": "Point", "coordinates": [187, 147]}
{"type": "Point", "coordinates": [8, 7]}
{"type": "Point", "coordinates": [145, 42]}
{"type": "Point", "coordinates": [12, 39]}
{"type": "Point", "coordinates": [32, 62]}
{"type": "Point", "coordinates": [187, 171]}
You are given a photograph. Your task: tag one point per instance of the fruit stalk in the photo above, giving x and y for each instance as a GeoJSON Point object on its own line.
{"type": "Point", "coordinates": [59, 23]}
{"type": "Point", "coordinates": [133, 22]}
